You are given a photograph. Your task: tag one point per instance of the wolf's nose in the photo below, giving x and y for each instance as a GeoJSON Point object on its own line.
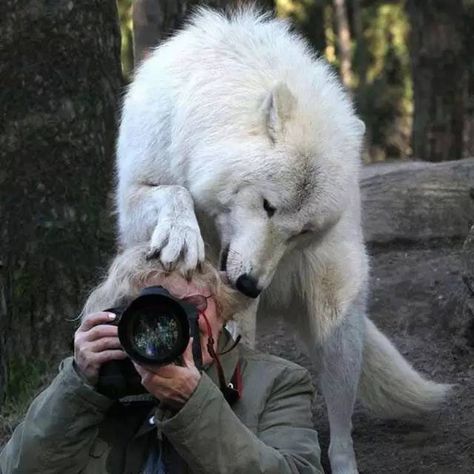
{"type": "Point", "coordinates": [248, 286]}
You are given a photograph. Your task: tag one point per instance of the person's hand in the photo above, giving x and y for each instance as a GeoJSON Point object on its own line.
{"type": "Point", "coordinates": [171, 384]}
{"type": "Point", "coordinates": [96, 342]}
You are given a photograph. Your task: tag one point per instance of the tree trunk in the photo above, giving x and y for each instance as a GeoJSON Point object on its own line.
{"type": "Point", "coordinates": [155, 20]}
{"type": "Point", "coordinates": [438, 69]}
{"type": "Point", "coordinates": [61, 77]}
{"type": "Point", "coordinates": [469, 88]}
{"type": "Point", "coordinates": [361, 51]}
{"type": "Point", "coordinates": [311, 23]}
{"type": "Point", "coordinates": [268, 5]}
{"type": "Point", "coordinates": [343, 41]}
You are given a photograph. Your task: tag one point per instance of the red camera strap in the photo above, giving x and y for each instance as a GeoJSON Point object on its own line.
{"type": "Point", "coordinates": [233, 391]}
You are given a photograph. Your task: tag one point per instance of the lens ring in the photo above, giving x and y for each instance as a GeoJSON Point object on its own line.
{"type": "Point", "coordinates": [154, 330]}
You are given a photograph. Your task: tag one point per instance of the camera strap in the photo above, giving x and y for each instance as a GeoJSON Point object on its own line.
{"type": "Point", "coordinates": [231, 391]}
{"type": "Point", "coordinates": [196, 347]}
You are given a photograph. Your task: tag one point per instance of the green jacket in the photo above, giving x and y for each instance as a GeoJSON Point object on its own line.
{"type": "Point", "coordinates": [70, 428]}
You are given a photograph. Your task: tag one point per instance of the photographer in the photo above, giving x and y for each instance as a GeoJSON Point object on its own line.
{"type": "Point", "coordinates": [245, 412]}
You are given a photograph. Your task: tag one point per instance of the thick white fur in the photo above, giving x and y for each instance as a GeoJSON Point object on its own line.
{"type": "Point", "coordinates": [228, 116]}
{"type": "Point", "coordinates": [389, 386]}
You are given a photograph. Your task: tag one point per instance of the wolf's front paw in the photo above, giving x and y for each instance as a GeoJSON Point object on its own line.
{"type": "Point", "coordinates": [178, 245]}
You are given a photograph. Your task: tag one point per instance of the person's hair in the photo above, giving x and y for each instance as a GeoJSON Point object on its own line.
{"type": "Point", "coordinates": [130, 270]}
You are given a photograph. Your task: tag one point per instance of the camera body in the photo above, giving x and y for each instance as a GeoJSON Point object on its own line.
{"type": "Point", "coordinates": [154, 329]}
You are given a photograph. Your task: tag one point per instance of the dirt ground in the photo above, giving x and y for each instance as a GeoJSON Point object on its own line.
{"type": "Point", "coordinates": [415, 297]}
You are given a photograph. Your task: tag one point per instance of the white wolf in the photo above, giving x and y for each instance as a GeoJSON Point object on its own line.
{"type": "Point", "coordinates": [234, 134]}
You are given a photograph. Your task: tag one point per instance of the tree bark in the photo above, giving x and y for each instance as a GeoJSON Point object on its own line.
{"type": "Point", "coordinates": [155, 20]}
{"type": "Point", "coordinates": [61, 78]}
{"type": "Point", "coordinates": [438, 69]}
{"type": "Point", "coordinates": [469, 87]}
{"type": "Point", "coordinates": [362, 60]}
{"type": "Point", "coordinates": [268, 5]}
{"type": "Point", "coordinates": [311, 24]}
{"type": "Point", "coordinates": [343, 41]}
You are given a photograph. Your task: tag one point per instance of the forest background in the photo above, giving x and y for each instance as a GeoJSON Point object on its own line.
{"type": "Point", "coordinates": [391, 55]}
{"type": "Point", "coordinates": [409, 66]}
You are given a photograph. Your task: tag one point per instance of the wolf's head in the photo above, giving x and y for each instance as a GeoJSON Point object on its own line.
{"type": "Point", "coordinates": [284, 181]}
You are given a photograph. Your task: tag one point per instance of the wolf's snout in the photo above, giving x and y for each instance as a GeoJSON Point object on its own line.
{"type": "Point", "coordinates": [248, 286]}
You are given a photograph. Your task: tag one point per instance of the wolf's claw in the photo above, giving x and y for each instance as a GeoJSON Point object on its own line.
{"type": "Point", "coordinates": [153, 254]}
{"type": "Point", "coordinates": [178, 244]}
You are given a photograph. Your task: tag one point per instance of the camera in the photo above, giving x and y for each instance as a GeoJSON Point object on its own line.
{"type": "Point", "coordinates": [154, 329]}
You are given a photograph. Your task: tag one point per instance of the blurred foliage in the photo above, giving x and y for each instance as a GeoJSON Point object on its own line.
{"type": "Point", "coordinates": [382, 86]}
{"type": "Point", "coordinates": [126, 29]}
{"type": "Point", "coordinates": [26, 380]}
{"type": "Point", "coordinates": [309, 18]}
{"type": "Point", "coordinates": [385, 101]}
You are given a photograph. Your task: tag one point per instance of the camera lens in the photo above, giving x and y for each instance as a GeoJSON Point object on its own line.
{"type": "Point", "coordinates": [154, 335]}
{"type": "Point", "coordinates": [154, 328]}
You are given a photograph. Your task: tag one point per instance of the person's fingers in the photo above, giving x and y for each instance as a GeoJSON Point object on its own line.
{"type": "Point", "coordinates": [101, 331]}
{"type": "Point", "coordinates": [150, 378]}
{"type": "Point", "coordinates": [106, 356]}
{"type": "Point", "coordinates": [103, 344]}
{"type": "Point", "coordinates": [174, 390]}
{"type": "Point", "coordinates": [94, 319]}
{"type": "Point", "coordinates": [164, 371]}
{"type": "Point", "coordinates": [141, 370]}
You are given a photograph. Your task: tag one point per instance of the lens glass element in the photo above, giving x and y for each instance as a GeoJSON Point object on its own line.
{"type": "Point", "coordinates": [154, 335]}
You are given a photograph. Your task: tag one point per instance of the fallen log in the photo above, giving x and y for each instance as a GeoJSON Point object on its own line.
{"type": "Point", "coordinates": [417, 201]}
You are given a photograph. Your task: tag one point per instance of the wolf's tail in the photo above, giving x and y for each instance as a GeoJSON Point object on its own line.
{"type": "Point", "coordinates": [389, 386]}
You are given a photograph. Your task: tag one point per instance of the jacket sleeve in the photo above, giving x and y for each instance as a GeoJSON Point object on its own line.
{"type": "Point", "coordinates": [59, 428]}
{"type": "Point", "coordinates": [211, 438]}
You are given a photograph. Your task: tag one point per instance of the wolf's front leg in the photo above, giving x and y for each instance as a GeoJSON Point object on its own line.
{"type": "Point", "coordinates": [165, 216]}
{"type": "Point", "coordinates": [339, 359]}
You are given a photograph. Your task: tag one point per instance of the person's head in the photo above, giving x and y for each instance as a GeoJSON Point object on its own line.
{"type": "Point", "coordinates": [131, 271]}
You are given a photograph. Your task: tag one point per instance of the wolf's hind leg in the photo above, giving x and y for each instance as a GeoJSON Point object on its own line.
{"type": "Point", "coordinates": [340, 360]}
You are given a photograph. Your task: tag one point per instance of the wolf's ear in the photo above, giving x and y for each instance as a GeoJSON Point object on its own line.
{"type": "Point", "coordinates": [277, 108]}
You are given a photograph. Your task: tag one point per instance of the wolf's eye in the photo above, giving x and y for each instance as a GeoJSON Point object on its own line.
{"type": "Point", "coordinates": [269, 209]}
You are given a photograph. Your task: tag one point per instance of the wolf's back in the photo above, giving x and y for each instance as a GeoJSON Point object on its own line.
{"type": "Point", "coordinates": [233, 60]}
